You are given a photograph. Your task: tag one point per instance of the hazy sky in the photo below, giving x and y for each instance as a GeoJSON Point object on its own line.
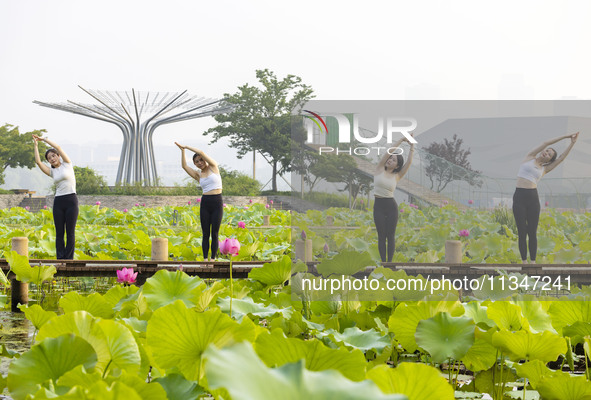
{"type": "Point", "coordinates": [379, 50]}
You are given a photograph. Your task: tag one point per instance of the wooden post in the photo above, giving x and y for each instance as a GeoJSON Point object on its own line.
{"type": "Point", "coordinates": [303, 249]}
{"type": "Point", "coordinates": [329, 220]}
{"type": "Point", "coordinates": [453, 251]}
{"type": "Point", "coordinates": [159, 249]}
{"type": "Point", "coordinates": [266, 220]}
{"type": "Point", "coordinates": [19, 290]}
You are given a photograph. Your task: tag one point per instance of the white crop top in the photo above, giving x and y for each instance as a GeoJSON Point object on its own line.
{"type": "Point", "coordinates": [384, 185]}
{"type": "Point", "coordinates": [64, 178]}
{"type": "Point", "coordinates": [211, 182]}
{"type": "Point", "coordinates": [530, 171]}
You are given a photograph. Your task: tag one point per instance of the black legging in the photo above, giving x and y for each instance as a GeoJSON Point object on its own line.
{"type": "Point", "coordinates": [65, 215]}
{"type": "Point", "coordinates": [385, 216]}
{"type": "Point", "coordinates": [526, 209]}
{"type": "Point", "coordinates": [210, 214]}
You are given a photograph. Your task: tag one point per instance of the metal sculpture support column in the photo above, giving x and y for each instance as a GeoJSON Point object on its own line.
{"type": "Point", "coordinates": [138, 115]}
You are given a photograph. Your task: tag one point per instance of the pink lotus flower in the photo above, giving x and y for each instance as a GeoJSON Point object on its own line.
{"type": "Point", "coordinates": [304, 236]}
{"type": "Point", "coordinates": [547, 203]}
{"type": "Point", "coordinates": [45, 207]}
{"type": "Point", "coordinates": [98, 203]}
{"type": "Point", "coordinates": [250, 201]}
{"type": "Point", "coordinates": [125, 210]}
{"type": "Point", "coordinates": [470, 201]}
{"type": "Point", "coordinates": [230, 246]}
{"type": "Point", "coordinates": [126, 276]}
{"type": "Point", "coordinates": [445, 202]}
{"type": "Point", "coordinates": [413, 206]}
{"type": "Point", "coordinates": [225, 205]}
{"type": "Point", "coordinates": [198, 200]}
{"type": "Point", "coordinates": [27, 208]}
{"type": "Point", "coordinates": [271, 201]}
{"type": "Point", "coordinates": [464, 233]}
{"type": "Point", "coordinates": [246, 207]}
{"type": "Point", "coordinates": [241, 224]}
{"type": "Point", "coordinates": [137, 204]}
{"type": "Point", "coordinates": [326, 247]}
{"type": "Point", "coordinates": [402, 210]}
{"type": "Point", "coordinates": [189, 202]}
{"type": "Point", "coordinates": [143, 204]}
{"type": "Point", "coordinates": [267, 206]}
{"type": "Point", "coordinates": [180, 267]}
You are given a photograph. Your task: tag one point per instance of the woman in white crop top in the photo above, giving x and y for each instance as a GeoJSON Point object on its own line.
{"type": "Point", "coordinates": [65, 202]}
{"type": "Point", "coordinates": [389, 171]}
{"type": "Point", "coordinates": [211, 210]}
{"type": "Point", "coordinates": [526, 203]}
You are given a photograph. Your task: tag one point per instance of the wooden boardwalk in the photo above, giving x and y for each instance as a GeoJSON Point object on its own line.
{"type": "Point", "coordinates": [578, 273]}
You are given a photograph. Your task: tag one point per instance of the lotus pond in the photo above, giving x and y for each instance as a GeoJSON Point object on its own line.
{"type": "Point", "coordinates": [175, 337]}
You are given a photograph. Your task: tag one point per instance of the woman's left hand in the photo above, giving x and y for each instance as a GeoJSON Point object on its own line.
{"type": "Point", "coordinates": [574, 137]}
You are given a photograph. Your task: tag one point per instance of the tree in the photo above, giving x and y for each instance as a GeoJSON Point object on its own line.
{"type": "Point", "coordinates": [238, 184]}
{"type": "Point", "coordinates": [88, 181]}
{"type": "Point", "coordinates": [262, 119]}
{"type": "Point", "coordinates": [448, 162]}
{"type": "Point", "coordinates": [16, 149]}
{"type": "Point", "coordinates": [342, 169]}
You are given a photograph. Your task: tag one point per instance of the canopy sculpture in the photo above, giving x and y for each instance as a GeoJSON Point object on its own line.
{"type": "Point", "coordinates": [138, 114]}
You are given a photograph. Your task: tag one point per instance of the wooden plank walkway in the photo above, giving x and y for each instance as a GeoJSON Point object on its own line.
{"type": "Point", "coordinates": [579, 273]}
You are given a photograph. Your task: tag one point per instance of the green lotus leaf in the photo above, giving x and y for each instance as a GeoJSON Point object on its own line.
{"type": "Point", "coordinates": [25, 273]}
{"type": "Point", "coordinates": [165, 287]}
{"type": "Point", "coordinates": [534, 371]}
{"type": "Point", "coordinates": [245, 306]}
{"type": "Point", "coordinates": [445, 337]}
{"type": "Point", "coordinates": [567, 256]}
{"type": "Point", "coordinates": [276, 350]}
{"type": "Point", "coordinates": [238, 370]}
{"type": "Point", "coordinates": [94, 304]}
{"type": "Point", "coordinates": [274, 273]}
{"type": "Point", "coordinates": [577, 331]}
{"type": "Point", "coordinates": [358, 339]}
{"type": "Point", "coordinates": [47, 361]}
{"type": "Point", "coordinates": [113, 343]}
{"type": "Point", "coordinates": [118, 292]}
{"type": "Point", "coordinates": [37, 315]}
{"type": "Point", "coordinates": [3, 279]}
{"type": "Point", "coordinates": [562, 386]}
{"type": "Point", "coordinates": [124, 352]}
{"type": "Point", "coordinates": [178, 336]}
{"type": "Point", "coordinates": [178, 388]}
{"type": "Point", "coordinates": [416, 381]}
{"type": "Point", "coordinates": [482, 355]}
{"type": "Point", "coordinates": [477, 312]}
{"type": "Point", "coordinates": [207, 296]}
{"type": "Point", "coordinates": [134, 305]}
{"type": "Point", "coordinates": [507, 316]}
{"type": "Point", "coordinates": [565, 313]}
{"type": "Point", "coordinates": [406, 317]}
{"type": "Point", "coordinates": [524, 345]}
{"type": "Point", "coordinates": [146, 391]}
{"type": "Point", "coordinates": [536, 313]}
{"type": "Point", "coordinates": [78, 376]}
{"type": "Point", "coordinates": [3, 383]}
{"type": "Point", "coordinates": [345, 263]}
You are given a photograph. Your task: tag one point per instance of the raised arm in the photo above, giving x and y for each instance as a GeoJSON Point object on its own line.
{"type": "Point", "coordinates": [560, 158]}
{"type": "Point", "coordinates": [42, 166]}
{"type": "Point", "coordinates": [59, 150]}
{"type": "Point", "coordinates": [192, 173]}
{"type": "Point", "coordinates": [212, 163]}
{"type": "Point", "coordinates": [534, 152]}
{"type": "Point", "coordinates": [406, 165]}
{"type": "Point", "coordinates": [382, 162]}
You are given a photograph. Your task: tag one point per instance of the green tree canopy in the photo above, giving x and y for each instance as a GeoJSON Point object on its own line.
{"type": "Point", "coordinates": [262, 119]}
{"type": "Point", "coordinates": [448, 162]}
{"type": "Point", "coordinates": [16, 149]}
{"type": "Point", "coordinates": [88, 181]}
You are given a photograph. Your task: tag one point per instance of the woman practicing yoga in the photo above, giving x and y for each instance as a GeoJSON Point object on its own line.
{"type": "Point", "coordinates": [212, 205]}
{"type": "Point", "coordinates": [526, 203]}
